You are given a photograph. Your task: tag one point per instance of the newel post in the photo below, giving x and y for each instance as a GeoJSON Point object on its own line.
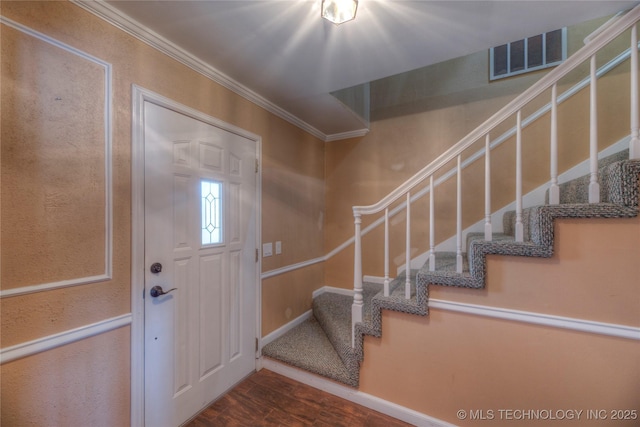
{"type": "Point", "coordinates": [358, 301]}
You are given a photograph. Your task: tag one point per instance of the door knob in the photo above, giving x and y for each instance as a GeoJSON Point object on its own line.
{"type": "Point", "coordinates": [156, 291]}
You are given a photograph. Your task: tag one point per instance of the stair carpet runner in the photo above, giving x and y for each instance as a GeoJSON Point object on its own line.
{"type": "Point", "coordinates": [322, 344]}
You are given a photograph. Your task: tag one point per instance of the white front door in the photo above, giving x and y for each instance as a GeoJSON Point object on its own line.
{"type": "Point", "coordinates": [200, 249]}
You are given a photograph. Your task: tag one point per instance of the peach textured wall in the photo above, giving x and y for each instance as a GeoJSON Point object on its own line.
{"type": "Point", "coordinates": [284, 303]}
{"type": "Point", "coordinates": [451, 361]}
{"type": "Point", "coordinates": [463, 362]}
{"type": "Point", "coordinates": [36, 145]}
{"type": "Point", "coordinates": [81, 384]}
{"type": "Point", "coordinates": [51, 169]}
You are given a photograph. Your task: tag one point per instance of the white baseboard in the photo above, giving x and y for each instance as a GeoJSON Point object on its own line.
{"type": "Point", "coordinates": [377, 404]}
{"type": "Point", "coordinates": [341, 291]}
{"type": "Point", "coordinates": [373, 279]}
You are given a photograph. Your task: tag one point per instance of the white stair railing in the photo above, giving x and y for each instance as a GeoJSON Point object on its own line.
{"type": "Point", "coordinates": [549, 81]}
{"type": "Point", "coordinates": [566, 95]}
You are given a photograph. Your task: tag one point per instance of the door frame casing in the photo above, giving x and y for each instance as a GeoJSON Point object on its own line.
{"type": "Point", "coordinates": [139, 96]}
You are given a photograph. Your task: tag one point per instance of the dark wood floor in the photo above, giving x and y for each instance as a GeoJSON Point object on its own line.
{"type": "Point", "coordinates": [269, 399]}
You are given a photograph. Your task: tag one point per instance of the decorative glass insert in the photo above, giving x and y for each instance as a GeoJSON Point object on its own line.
{"type": "Point", "coordinates": [211, 199]}
{"type": "Point", "coordinates": [530, 54]}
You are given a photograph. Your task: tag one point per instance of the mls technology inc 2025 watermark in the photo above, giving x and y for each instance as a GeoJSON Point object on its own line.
{"type": "Point", "coordinates": [504, 414]}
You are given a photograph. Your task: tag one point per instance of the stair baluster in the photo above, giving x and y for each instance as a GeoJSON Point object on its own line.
{"type": "Point", "coordinates": [432, 227]}
{"type": "Point", "coordinates": [459, 216]}
{"type": "Point", "coordinates": [386, 252]}
{"type": "Point", "coordinates": [407, 283]}
{"type": "Point", "coordinates": [634, 144]}
{"type": "Point", "coordinates": [594, 187]}
{"type": "Point", "coordinates": [519, 226]}
{"type": "Point", "coordinates": [487, 189]}
{"type": "Point", "coordinates": [554, 189]}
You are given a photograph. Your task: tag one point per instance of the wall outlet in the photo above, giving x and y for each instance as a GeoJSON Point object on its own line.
{"type": "Point", "coordinates": [278, 248]}
{"type": "Point", "coordinates": [267, 249]}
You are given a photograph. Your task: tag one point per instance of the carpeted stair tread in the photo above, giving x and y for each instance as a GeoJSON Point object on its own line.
{"type": "Point", "coordinates": [494, 237]}
{"type": "Point", "coordinates": [307, 347]}
{"type": "Point", "coordinates": [333, 313]}
{"type": "Point", "coordinates": [577, 190]}
{"type": "Point", "coordinates": [445, 272]}
{"type": "Point", "coordinates": [396, 301]}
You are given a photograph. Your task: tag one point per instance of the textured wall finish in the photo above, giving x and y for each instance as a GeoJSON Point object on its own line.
{"type": "Point", "coordinates": [54, 160]}
{"type": "Point", "coordinates": [464, 362]}
{"type": "Point", "coordinates": [78, 384]}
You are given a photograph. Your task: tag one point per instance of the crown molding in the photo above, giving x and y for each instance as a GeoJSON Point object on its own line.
{"type": "Point", "coordinates": [153, 39]}
{"type": "Point", "coordinates": [346, 135]}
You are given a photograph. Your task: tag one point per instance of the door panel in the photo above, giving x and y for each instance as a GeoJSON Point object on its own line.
{"type": "Point", "coordinates": [199, 337]}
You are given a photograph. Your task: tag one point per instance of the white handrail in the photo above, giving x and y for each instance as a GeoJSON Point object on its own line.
{"type": "Point", "coordinates": [496, 142]}
{"type": "Point", "coordinates": [586, 52]}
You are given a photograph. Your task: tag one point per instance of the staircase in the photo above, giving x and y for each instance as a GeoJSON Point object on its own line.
{"type": "Point", "coordinates": [330, 343]}
{"type": "Point", "coordinates": [322, 344]}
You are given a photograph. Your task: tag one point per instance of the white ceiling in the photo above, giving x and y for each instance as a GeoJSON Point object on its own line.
{"type": "Point", "coordinates": [282, 51]}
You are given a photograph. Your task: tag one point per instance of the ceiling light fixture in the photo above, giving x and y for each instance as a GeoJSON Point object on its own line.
{"type": "Point", "coordinates": [339, 11]}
